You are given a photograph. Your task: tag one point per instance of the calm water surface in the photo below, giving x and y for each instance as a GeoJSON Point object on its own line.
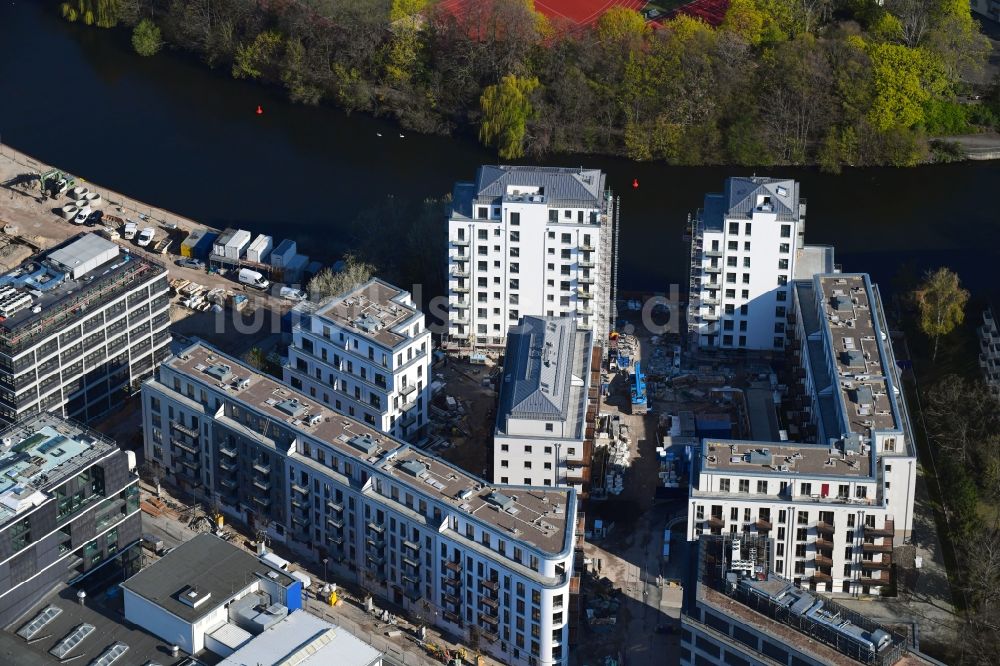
{"type": "Point", "coordinates": [169, 131]}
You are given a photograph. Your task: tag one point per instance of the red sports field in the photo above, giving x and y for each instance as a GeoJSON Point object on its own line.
{"type": "Point", "coordinates": [577, 12]}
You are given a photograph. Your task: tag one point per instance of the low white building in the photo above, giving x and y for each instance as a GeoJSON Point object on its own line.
{"type": "Point", "coordinates": [547, 403]}
{"type": "Point", "coordinates": [835, 506]}
{"type": "Point", "coordinates": [366, 354]}
{"type": "Point", "coordinates": [207, 585]}
{"type": "Point", "coordinates": [528, 240]}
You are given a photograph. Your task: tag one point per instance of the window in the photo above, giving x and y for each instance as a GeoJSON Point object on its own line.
{"type": "Point", "coordinates": [548, 427]}
{"type": "Point", "coordinates": [515, 219]}
{"type": "Point", "coordinates": [762, 487]}
{"type": "Point", "coordinates": [803, 518]}
{"type": "Point", "coordinates": [782, 264]}
{"type": "Point", "coordinates": [734, 227]}
{"type": "Point", "coordinates": [744, 486]}
{"type": "Point", "coordinates": [724, 485]}
{"type": "Point", "coordinates": [783, 248]}
{"type": "Point", "coordinates": [748, 228]}
{"type": "Point", "coordinates": [786, 231]}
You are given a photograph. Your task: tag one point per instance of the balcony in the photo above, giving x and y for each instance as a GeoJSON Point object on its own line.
{"type": "Point", "coordinates": [489, 620]}
{"type": "Point", "coordinates": [712, 253]}
{"type": "Point", "coordinates": [451, 599]}
{"type": "Point", "coordinates": [263, 468]}
{"type": "Point", "coordinates": [713, 269]}
{"type": "Point", "coordinates": [876, 547]}
{"type": "Point", "coordinates": [489, 635]}
{"type": "Point", "coordinates": [335, 523]}
{"type": "Point", "coordinates": [587, 247]}
{"type": "Point", "coordinates": [876, 582]}
{"type": "Point", "coordinates": [460, 305]}
{"type": "Point", "coordinates": [455, 567]}
{"type": "Point", "coordinates": [262, 501]}
{"type": "Point", "coordinates": [763, 525]}
{"type": "Point", "coordinates": [709, 316]}
{"type": "Point", "coordinates": [411, 545]}
{"type": "Point", "coordinates": [823, 560]}
{"type": "Point", "coordinates": [823, 544]}
{"type": "Point", "coordinates": [585, 280]}
{"type": "Point", "coordinates": [263, 485]}
{"type": "Point", "coordinates": [460, 272]}
{"type": "Point", "coordinates": [881, 565]}
{"type": "Point", "coordinates": [453, 618]}
{"type": "Point", "coordinates": [227, 466]}
{"type": "Point", "coordinates": [716, 522]}
{"type": "Point", "coordinates": [821, 577]}
{"type": "Point", "coordinates": [585, 263]}
{"type": "Point", "coordinates": [375, 527]}
{"type": "Point", "coordinates": [185, 446]}
{"type": "Point", "coordinates": [229, 453]}
{"type": "Point", "coordinates": [888, 530]}
{"type": "Point", "coordinates": [490, 585]}
{"type": "Point", "coordinates": [584, 294]}
{"type": "Point", "coordinates": [460, 290]}
{"type": "Point", "coordinates": [301, 490]}
{"type": "Point", "coordinates": [824, 528]}
{"type": "Point", "coordinates": [334, 506]}
{"type": "Point", "coordinates": [460, 242]}
{"type": "Point", "coordinates": [181, 428]}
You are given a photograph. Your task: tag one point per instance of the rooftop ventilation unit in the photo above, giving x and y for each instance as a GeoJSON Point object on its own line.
{"type": "Point", "coordinates": [219, 371]}
{"type": "Point", "coordinates": [364, 443]}
{"type": "Point", "coordinates": [292, 407]}
{"type": "Point", "coordinates": [500, 500]}
{"type": "Point", "coordinates": [414, 468]}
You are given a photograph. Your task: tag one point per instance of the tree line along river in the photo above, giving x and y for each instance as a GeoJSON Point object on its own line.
{"type": "Point", "coordinates": [169, 131]}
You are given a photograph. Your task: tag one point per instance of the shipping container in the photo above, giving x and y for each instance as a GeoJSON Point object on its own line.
{"type": "Point", "coordinates": [219, 244]}
{"type": "Point", "coordinates": [259, 250]}
{"type": "Point", "coordinates": [281, 255]}
{"type": "Point", "coordinates": [294, 270]}
{"type": "Point", "coordinates": [198, 244]}
{"type": "Point", "coordinates": [237, 245]}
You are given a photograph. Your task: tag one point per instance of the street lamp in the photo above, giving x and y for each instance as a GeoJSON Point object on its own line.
{"type": "Point", "coordinates": [326, 577]}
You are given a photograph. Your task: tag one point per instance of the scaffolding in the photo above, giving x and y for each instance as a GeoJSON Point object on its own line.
{"type": "Point", "coordinates": [17, 337]}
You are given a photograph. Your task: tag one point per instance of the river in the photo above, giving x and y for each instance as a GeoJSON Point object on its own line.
{"type": "Point", "coordinates": [171, 132]}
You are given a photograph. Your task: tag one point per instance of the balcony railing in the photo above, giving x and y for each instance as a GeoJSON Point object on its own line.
{"type": "Point", "coordinates": [876, 547]}
{"type": "Point", "coordinates": [824, 528]}
{"type": "Point", "coordinates": [887, 531]}
{"type": "Point", "coordinates": [823, 544]}
{"type": "Point", "coordinates": [884, 564]}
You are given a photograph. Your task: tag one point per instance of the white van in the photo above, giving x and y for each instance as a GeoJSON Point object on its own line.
{"type": "Point", "coordinates": [253, 279]}
{"type": "Point", "coordinates": [130, 229]}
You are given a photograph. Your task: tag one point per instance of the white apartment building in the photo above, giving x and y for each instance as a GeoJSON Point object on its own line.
{"type": "Point", "coordinates": [529, 241]}
{"type": "Point", "coordinates": [547, 404]}
{"type": "Point", "coordinates": [989, 351]}
{"type": "Point", "coordinates": [490, 564]}
{"type": "Point", "coordinates": [835, 508]}
{"type": "Point", "coordinates": [746, 243]}
{"type": "Point", "coordinates": [81, 323]}
{"type": "Point", "coordinates": [366, 354]}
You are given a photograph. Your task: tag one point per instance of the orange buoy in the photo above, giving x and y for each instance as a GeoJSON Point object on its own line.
{"type": "Point", "coordinates": [260, 110]}
{"type": "Point", "coordinates": [635, 183]}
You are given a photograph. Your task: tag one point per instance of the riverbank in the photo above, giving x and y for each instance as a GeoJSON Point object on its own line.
{"type": "Point", "coordinates": [30, 224]}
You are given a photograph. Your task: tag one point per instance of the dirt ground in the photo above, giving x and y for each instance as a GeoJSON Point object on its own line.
{"type": "Point", "coordinates": [470, 434]}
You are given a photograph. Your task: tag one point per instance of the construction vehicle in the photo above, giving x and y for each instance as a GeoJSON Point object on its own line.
{"type": "Point", "coordinates": [639, 403]}
{"type": "Point", "coordinates": [55, 182]}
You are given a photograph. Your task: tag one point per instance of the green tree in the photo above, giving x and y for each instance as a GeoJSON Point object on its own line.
{"type": "Point", "coordinates": [146, 38]}
{"type": "Point", "coordinates": [294, 74]}
{"type": "Point", "coordinates": [249, 58]}
{"type": "Point", "coordinates": [905, 79]}
{"type": "Point", "coordinates": [745, 19]}
{"type": "Point", "coordinates": [941, 300]}
{"type": "Point", "coordinates": [327, 284]}
{"type": "Point", "coordinates": [620, 27]}
{"type": "Point", "coordinates": [257, 358]}
{"type": "Point", "coordinates": [506, 109]}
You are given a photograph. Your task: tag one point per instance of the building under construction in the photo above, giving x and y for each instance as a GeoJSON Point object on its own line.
{"type": "Point", "coordinates": [80, 325]}
{"type": "Point", "coordinates": [738, 611]}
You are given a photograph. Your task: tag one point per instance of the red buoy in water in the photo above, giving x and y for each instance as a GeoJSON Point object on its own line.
{"type": "Point", "coordinates": [260, 110]}
{"type": "Point", "coordinates": [635, 183]}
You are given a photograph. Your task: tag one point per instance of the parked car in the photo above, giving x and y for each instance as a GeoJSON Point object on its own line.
{"type": "Point", "coordinates": [186, 262]}
{"type": "Point", "coordinates": [146, 237]}
{"type": "Point", "coordinates": [293, 294]}
{"type": "Point", "coordinates": [81, 218]}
